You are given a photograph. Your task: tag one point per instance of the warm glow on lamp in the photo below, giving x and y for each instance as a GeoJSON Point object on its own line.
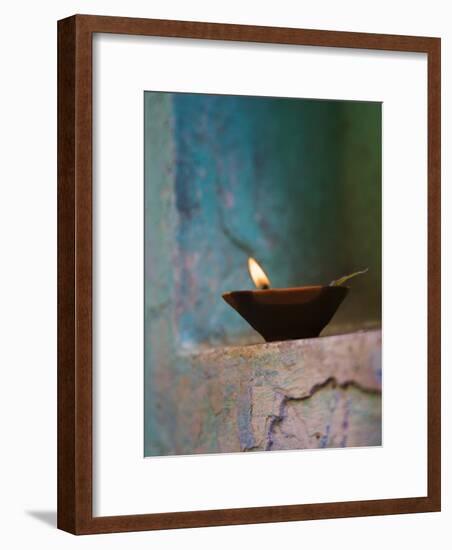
{"type": "Point", "coordinates": [258, 275]}
{"type": "Point", "coordinates": [287, 313]}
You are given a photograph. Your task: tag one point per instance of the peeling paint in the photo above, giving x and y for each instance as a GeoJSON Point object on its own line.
{"type": "Point", "coordinates": [242, 399]}
{"type": "Point", "coordinates": [246, 174]}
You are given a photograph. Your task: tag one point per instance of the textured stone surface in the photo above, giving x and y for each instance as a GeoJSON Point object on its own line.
{"type": "Point", "coordinates": [318, 393]}
{"type": "Point", "coordinates": [297, 184]}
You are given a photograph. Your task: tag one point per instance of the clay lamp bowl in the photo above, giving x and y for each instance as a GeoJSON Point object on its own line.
{"type": "Point", "coordinates": [287, 313]}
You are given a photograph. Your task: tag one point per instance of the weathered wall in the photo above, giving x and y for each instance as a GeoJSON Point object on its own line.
{"type": "Point", "coordinates": [297, 184]}
{"type": "Point", "coordinates": [316, 393]}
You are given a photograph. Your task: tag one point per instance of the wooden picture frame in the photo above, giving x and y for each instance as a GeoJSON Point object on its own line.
{"type": "Point", "coordinates": [75, 224]}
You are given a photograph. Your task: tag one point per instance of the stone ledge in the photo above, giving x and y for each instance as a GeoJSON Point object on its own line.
{"type": "Point", "coordinates": [322, 392]}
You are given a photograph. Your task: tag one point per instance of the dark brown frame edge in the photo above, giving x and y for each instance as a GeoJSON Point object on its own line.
{"type": "Point", "coordinates": [75, 274]}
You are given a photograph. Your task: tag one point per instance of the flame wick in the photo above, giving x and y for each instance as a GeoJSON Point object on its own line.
{"type": "Point", "coordinates": [257, 274]}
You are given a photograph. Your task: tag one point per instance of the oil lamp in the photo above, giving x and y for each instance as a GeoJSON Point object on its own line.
{"type": "Point", "coordinates": [287, 313]}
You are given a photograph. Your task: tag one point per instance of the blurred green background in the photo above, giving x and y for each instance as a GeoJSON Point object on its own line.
{"type": "Point", "coordinates": [294, 183]}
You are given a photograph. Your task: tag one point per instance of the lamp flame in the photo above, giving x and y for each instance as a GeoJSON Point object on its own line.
{"type": "Point", "coordinates": [258, 275]}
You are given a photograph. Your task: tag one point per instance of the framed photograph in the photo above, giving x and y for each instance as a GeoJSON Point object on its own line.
{"type": "Point", "coordinates": [248, 274]}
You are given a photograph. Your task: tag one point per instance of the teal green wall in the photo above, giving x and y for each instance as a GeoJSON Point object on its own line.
{"type": "Point", "coordinates": [294, 183]}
